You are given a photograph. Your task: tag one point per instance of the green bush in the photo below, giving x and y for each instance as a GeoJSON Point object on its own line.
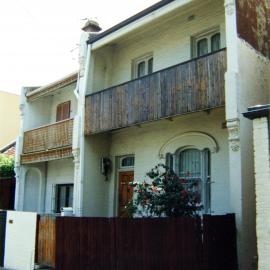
{"type": "Point", "coordinates": [164, 194]}
{"type": "Point", "coordinates": [6, 166]}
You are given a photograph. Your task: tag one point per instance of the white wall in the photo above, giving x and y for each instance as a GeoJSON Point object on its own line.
{"type": "Point", "coordinates": [58, 172]}
{"type": "Point", "coordinates": [145, 143]}
{"type": "Point", "coordinates": [43, 110]}
{"type": "Point", "coordinates": [169, 40]}
{"type": "Point", "coordinates": [95, 188]}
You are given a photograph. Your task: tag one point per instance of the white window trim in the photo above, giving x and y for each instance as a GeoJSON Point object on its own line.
{"type": "Point", "coordinates": [206, 34]}
{"type": "Point", "coordinates": [137, 61]}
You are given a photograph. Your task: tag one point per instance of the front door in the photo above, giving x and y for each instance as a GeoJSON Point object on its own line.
{"type": "Point", "coordinates": [125, 192]}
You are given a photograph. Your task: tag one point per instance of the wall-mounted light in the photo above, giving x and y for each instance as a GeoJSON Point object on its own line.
{"type": "Point", "coordinates": [106, 166]}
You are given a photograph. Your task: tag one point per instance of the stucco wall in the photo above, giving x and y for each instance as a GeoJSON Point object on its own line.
{"type": "Point", "coordinates": [95, 188]}
{"type": "Point", "coordinates": [9, 117]}
{"type": "Point", "coordinates": [145, 142]}
{"type": "Point", "coordinates": [43, 111]}
{"type": "Point", "coordinates": [169, 41]}
{"type": "Point", "coordinates": [58, 172]}
{"type": "Point", "coordinates": [254, 88]}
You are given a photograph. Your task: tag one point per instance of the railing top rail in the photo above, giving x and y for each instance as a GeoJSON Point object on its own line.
{"type": "Point", "coordinates": [161, 70]}
{"type": "Point", "coordinates": [50, 125]}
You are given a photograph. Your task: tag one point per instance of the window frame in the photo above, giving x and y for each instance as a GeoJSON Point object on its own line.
{"type": "Point", "coordinates": [60, 111]}
{"type": "Point", "coordinates": [120, 159]}
{"type": "Point", "coordinates": [57, 207]}
{"type": "Point", "coordinates": [137, 61]}
{"type": "Point", "coordinates": [174, 159]}
{"type": "Point", "coordinates": [204, 35]}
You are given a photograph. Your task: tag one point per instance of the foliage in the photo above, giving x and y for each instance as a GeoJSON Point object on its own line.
{"type": "Point", "coordinates": [164, 195]}
{"type": "Point", "coordinates": [6, 166]}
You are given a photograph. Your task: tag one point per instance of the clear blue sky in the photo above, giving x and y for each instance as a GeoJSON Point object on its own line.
{"type": "Point", "coordinates": [39, 38]}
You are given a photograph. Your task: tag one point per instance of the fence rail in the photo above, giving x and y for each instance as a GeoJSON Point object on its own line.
{"type": "Point", "coordinates": [57, 135]}
{"type": "Point", "coordinates": [195, 85]}
{"type": "Point", "coordinates": [119, 243]}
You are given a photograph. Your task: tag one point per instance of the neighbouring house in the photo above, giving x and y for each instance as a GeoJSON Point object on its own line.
{"type": "Point", "coordinates": [166, 85]}
{"type": "Point", "coordinates": [44, 161]}
{"type": "Point", "coordinates": [9, 149]}
{"type": "Point", "coordinates": [9, 117]}
{"type": "Point", "coordinates": [260, 116]}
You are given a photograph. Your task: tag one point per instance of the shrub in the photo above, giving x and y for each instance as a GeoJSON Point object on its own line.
{"type": "Point", "coordinates": [6, 166]}
{"type": "Point", "coordinates": [163, 194]}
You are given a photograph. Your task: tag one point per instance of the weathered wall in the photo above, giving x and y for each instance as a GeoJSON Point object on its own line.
{"type": "Point", "coordinates": [145, 142]}
{"type": "Point", "coordinates": [169, 40]}
{"type": "Point", "coordinates": [253, 24]}
{"type": "Point", "coordinates": [262, 173]}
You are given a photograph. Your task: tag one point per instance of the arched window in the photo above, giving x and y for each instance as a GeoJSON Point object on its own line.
{"type": "Point", "coordinates": [193, 165]}
{"type": "Point", "coordinates": [126, 162]}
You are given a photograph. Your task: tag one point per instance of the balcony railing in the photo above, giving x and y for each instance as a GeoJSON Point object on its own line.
{"type": "Point", "coordinates": [188, 87]}
{"type": "Point", "coordinates": [50, 137]}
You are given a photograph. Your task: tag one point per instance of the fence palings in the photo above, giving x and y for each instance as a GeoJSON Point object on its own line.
{"type": "Point", "coordinates": [145, 244]}
{"type": "Point", "coordinates": [7, 193]}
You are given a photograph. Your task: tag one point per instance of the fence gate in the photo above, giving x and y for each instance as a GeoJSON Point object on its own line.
{"type": "Point", "coordinates": [20, 240]}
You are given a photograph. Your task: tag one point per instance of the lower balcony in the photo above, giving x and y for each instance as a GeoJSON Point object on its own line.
{"type": "Point", "coordinates": [48, 142]}
{"type": "Point", "coordinates": [192, 86]}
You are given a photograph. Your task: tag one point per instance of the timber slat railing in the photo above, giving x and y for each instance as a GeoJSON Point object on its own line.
{"type": "Point", "coordinates": [48, 137]}
{"type": "Point", "coordinates": [142, 243]}
{"type": "Point", "coordinates": [195, 85]}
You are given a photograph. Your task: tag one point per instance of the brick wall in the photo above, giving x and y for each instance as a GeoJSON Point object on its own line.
{"type": "Point", "coordinates": [262, 174]}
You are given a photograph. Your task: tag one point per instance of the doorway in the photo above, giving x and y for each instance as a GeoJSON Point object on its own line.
{"type": "Point", "coordinates": [125, 192]}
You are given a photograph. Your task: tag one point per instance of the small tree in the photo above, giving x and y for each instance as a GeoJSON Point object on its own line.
{"type": "Point", "coordinates": [163, 194]}
{"type": "Point", "coordinates": [6, 166]}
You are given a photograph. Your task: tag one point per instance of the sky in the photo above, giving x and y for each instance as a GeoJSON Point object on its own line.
{"type": "Point", "coordinates": [39, 39]}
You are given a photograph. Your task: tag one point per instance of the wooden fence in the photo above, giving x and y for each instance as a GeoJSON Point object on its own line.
{"type": "Point", "coordinates": [145, 244]}
{"type": "Point", "coordinates": [3, 218]}
{"type": "Point", "coordinates": [7, 193]}
{"type": "Point", "coordinates": [198, 84]}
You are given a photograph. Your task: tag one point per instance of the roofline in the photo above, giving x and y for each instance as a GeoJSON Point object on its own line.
{"type": "Point", "coordinates": [257, 111]}
{"type": "Point", "coordinates": [5, 148]}
{"type": "Point", "coordinates": [70, 78]}
{"type": "Point", "coordinates": [130, 20]}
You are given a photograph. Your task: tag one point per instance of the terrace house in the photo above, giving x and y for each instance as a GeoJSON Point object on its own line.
{"type": "Point", "coordinates": [44, 160]}
{"type": "Point", "coordinates": [166, 85]}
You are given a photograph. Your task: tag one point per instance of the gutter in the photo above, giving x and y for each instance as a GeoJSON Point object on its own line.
{"type": "Point", "coordinates": [257, 111]}
{"type": "Point", "coordinates": [130, 20]}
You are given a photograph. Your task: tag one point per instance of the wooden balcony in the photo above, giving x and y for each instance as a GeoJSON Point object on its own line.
{"type": "Point", "coordinates": [192, 86]}
{"type": "Point", "coordinates": [48, 142]}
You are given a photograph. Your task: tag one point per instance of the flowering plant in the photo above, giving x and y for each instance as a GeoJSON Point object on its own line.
{"type": "Point", "coordinates": [163, 194]}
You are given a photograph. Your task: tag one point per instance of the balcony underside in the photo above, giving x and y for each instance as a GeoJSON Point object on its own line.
{"type": "Point", "coordinates": [189, 87]}
{"type": "Point", "coordinates": [46, 156]}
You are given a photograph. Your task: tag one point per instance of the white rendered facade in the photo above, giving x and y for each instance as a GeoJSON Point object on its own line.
{"type": "Point", "coordinates": [169, 35]}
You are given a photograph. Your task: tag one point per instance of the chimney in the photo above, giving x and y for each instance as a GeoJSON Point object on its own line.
{"type": "Point", "coordinates": [91, 27]}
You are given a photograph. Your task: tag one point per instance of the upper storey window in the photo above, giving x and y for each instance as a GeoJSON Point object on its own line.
{"type": "Point", "coordinates": [143, 66]}
{"type": "Point", "coordinates": [206, 43]}
{"type": "Point", "coordinates": [63, 111]}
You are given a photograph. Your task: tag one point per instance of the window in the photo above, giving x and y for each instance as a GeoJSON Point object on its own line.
{"type": "Point", "coordinates": [206, 43]}
{"type": "Point", "coordinates": [64, 196]}
{"type": "Point", "coordinates": [63, 111]}
{"type": "Point", "coordinates": [126, 162]}
{"type": "Point", "coordinates": [193, 165]}
{"type": "Point", "coordinates": [143, 66]}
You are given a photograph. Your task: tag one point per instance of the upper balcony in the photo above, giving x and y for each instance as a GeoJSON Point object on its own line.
{"type": "Point", "coordinates": [48, 142]}
{"type": "Point", "coordinates": [192, 86]}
